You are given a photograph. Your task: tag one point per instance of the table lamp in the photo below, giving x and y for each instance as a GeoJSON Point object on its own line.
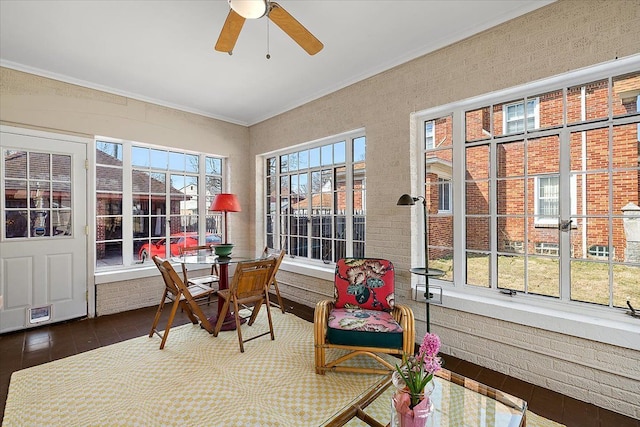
{"type": "Point", "coordinates": [225, 202]}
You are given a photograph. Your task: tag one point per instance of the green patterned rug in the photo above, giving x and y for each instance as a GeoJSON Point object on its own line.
{"type": "Point", "coordinates": [197, 380]}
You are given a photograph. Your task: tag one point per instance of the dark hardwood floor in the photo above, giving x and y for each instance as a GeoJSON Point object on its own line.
{"type": "Point", "coordinates": [19, 350]}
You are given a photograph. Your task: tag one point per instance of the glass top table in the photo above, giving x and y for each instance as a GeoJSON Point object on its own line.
{"type": "Point", "coordinates": [458, 401]}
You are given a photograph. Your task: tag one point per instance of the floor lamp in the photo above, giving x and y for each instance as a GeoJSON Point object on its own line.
{"type": "Point", "coordinates": [407, 200]}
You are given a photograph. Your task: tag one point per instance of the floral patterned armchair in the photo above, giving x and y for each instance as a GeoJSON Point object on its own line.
{"type": "Point", "coordinates": [362, 319]}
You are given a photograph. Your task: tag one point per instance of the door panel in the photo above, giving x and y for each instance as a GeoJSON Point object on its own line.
{"type": "Point", "coordinates": [43, 244]}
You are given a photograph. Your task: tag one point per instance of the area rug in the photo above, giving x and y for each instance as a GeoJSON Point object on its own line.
{"type": "Point", "coordinates": [196, 380]}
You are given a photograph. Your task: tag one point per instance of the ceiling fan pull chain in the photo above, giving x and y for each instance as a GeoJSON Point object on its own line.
{"type": "Point", "coordinates": [268, 54]}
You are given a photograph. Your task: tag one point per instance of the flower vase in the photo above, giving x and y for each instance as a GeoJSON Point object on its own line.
{"type": "Point", "coordinates": [402, 414]}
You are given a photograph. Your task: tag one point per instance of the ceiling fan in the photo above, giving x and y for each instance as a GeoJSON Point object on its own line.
{"type": "Point", "coordinates": [241, 10]}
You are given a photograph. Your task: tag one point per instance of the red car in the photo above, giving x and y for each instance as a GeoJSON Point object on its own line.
{"type": "Point", "coordinates": [175, 243]}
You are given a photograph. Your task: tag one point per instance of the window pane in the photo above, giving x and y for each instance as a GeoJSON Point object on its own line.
{"type": "Point", "coordinates": [16, 224]}
{"type": "Point", "coordinates": [626, 90]}
{"type": "Point", "coordinates": [478, 124]}
{"type": "Point", "coordinates": [511, 234]}
{"type": "Point", "coordinates": [551, 105]}
{"type": "Point", "coordinates": [511, 272]}
{"type": "Point", "coordinates": [191, 163]}
{"type": "Point", "coordinates": [544, 275]}
{"type": "Point", "coordinates": [477, 197]}
{"type": "Point", "coordinates": [159, 159]}
{"type": "Point", "coordinates": [359, 149]}
{"type": "Point", "coordinates": [314, 157]}
{"type": "Point", "coordinates": [477, 162]}
{"type": "Point", "coordinates": [61, 167]}
{"type": "Point", "coordinates": [15, 194]}
{"type": "Point", "coordinates": [543, 155]}
{"type": "Point", "coordinates": [303, 159]}
{"type": "Point", "coordinates": [511, 196]}
{"type": "Point", "coordinates": [429, 135]}
{"type": "Point", "coordinates": [590, 150]}
{"type": "Point", "coordinates": [511, 158]}
{"type": "Point", "coordinates": [477, 269]}
{"type": "Point", "coordinates": [478, 229]}
{"type": "Point", "coordinates": [214, 165]}
{"type": "Point", "coordinates": [626, 143]}
{"type": "Point", "coordinates": [39, 166]}
{"type": "Point", "coordinates": [108, 153]}
{"type": "Point", "coordinates": [108, 254]}
{"type": "Point", "coordinates": [108, 178]}
{"type": "Point", "coordinates": [327, 155]}
{"type": "Point", "coordinates": [626, 190]}
{"type": "Point", "coordinates": [293, 162]}
{"type": "Point", "coordinates": [339, 154]}
{"type": "Point", "coordinates": [177, 161]}
{"type": "Point", "coordinates": [588, 102]}
{"type": "Point", "coordinates": [15, 164]}
{"type": "Point", "coordinates": [625, 284]}
{"type": "Point", "coordinates": [140, 156]}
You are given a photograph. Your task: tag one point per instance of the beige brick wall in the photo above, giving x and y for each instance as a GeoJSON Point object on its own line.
{"type": "Point", "coordinates": [563, 36]}
{"type": "Point", "coordinates": [116, 297]}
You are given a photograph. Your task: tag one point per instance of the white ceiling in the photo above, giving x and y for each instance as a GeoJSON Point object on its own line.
{"type": "Point", "coordinates": [162, 51]}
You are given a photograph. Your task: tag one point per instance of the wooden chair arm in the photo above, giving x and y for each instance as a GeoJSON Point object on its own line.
{"type": "Point", "coordinates": [321, 320]}
{"type": "Point", "coordinates": [404, 316]}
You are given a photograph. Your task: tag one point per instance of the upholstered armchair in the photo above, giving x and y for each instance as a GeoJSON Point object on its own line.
{"type": "Point", "coordinates": [362, 319]}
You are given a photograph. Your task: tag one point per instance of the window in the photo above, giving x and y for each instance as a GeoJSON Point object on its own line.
{"type": "Point", "coordinates": [515, 117]}
{"type": "Point", "coordinates": [547, 206]}
{"type": "Point", "coordinates": [429, 135]}
{"type": "Point", "coordinates": [315, 199]}
{"type": "Point", "coordinates": [444, 195]}
{"type": "Point", "coordinates": [545, 190]}
{"type": "Point", "coordinates": [600, 251]}
{"type": "Point", "coordinates": [166, 191]}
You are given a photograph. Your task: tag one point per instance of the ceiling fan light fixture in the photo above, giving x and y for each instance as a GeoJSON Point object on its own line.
{"type": "Point", "coordinates": [250, 9]}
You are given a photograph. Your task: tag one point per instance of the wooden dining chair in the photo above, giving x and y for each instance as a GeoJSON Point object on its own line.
{"type": "Point", "coordinates": [250, 285]}
{"type": "Point", "coordinates": [209, 279]}
{"type": "Point", "coordinates": [181, 295]}
{"type": "Point", "coordinates": [278, 256]}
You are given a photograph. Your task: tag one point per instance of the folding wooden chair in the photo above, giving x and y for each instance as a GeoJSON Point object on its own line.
{"type": "Point", "coordinates": [250, 285]}
{"type": "Point", "coordinates": [182, 296]}
{"type": "Point", "coordinates": [209, 279]}
{"type": "Point", "coordinates": [273, 282]}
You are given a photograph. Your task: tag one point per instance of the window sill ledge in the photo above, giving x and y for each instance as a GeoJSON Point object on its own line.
{"type": "Point", "coordinates": [617, 329]}
{"type": "Point", "coordinates": [125, 274]}
{"type": "Point", "coordinates": [320, 271]}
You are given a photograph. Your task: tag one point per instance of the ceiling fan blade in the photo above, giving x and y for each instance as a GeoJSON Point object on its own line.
{"type": "Point", "coordinates": [230, 32]}
{"type": "Point", "coordinates": [294, 29]}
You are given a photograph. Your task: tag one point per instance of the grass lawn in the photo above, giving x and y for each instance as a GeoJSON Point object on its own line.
{"type": "Point", "coordinates": [589, 280]}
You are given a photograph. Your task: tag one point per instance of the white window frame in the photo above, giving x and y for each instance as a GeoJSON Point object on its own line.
{"type": "Point", "coordinates": [130, 268]}
{"type": "Point", "coordinates": [536, 116]}
{"type": "Point", "coordinates": [588, 321]}
{"type": "Point", "coordinates": [301, 264]}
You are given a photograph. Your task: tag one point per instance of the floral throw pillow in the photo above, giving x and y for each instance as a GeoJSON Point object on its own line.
{"type": "Point", "coordinates": [364, 283]}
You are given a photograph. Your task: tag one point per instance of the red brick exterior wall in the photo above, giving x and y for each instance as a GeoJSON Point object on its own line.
{"type": "Point", "coordinates": [542, 157]}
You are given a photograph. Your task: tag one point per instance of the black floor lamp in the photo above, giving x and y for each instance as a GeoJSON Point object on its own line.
{"type": "Point", "coordinates": [407, 200]}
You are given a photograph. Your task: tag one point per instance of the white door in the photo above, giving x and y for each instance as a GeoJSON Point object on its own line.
{"type": "Point", "coordinates": [43, 240]}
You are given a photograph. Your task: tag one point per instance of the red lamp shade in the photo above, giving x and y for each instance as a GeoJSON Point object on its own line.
{"type": "Point", "coordinates": [225, 202]}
